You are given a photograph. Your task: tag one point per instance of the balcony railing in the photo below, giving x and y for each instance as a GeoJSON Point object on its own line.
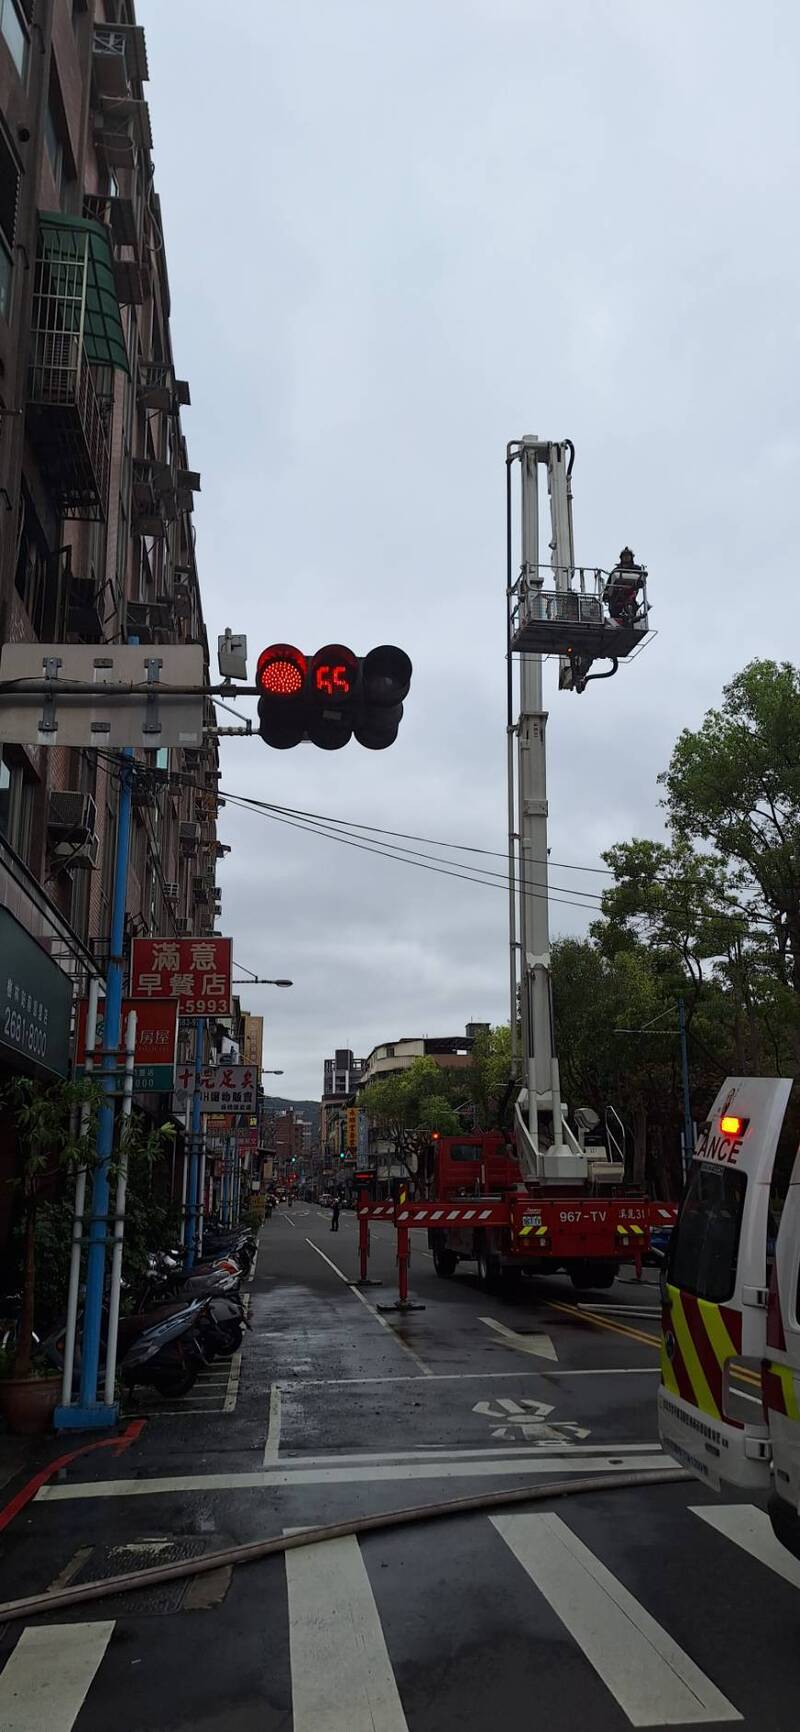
{"type": "Point", "coordinates": [75, 325]}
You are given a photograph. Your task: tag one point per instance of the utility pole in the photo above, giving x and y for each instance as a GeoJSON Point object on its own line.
{"type": "Point", "coordinates": [192, 1188]}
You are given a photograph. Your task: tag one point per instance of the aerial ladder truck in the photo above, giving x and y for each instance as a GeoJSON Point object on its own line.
{"type": "Point", "coordinates": [553, 1193]}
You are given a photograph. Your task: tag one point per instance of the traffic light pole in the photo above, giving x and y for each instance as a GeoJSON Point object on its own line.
{"type": "Point", "coordinates": [88, 1413]}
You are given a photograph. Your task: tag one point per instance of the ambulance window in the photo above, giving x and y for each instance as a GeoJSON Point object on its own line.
{"type": "Point", "coordinates": [465, 1151]}
{"type": "Point", "coordinates": [705, 1244]}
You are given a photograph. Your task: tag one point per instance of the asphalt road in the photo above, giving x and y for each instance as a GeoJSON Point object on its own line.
{"type": "Point", "coordinates": [649, 1607]}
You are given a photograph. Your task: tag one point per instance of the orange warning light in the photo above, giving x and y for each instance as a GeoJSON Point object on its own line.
{"type": "Point", "coordinates": [730, 1126]}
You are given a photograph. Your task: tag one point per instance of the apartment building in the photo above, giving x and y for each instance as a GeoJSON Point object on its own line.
{"type": "Point", "coordinates": [96, 494]}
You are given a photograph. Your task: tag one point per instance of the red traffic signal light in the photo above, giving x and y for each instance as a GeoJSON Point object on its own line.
{"type": "Point", "coordinates": [332, 695]}
{"type": "Point", "coordinates": [281, 670]}
{"type": "Point", "coordinates": [281, 674]}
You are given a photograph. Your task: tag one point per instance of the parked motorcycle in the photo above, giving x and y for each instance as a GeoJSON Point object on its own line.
{"type": "Point", "coordinates": [166, 1353]}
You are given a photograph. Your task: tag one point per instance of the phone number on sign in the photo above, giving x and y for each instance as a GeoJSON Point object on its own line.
{"type": "Point", "coordinates": [23, 1032]}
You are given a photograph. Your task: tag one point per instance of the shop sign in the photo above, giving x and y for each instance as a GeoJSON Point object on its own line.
{"type": "Point", "coordinates": [35, 1001]}
{"type": "Point", "coordinates": [196, 971]}
{"type": "Point", "coordinates": [156, 1039]}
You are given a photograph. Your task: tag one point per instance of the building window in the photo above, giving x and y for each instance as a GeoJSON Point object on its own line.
{"type": "Point", "coordinates": [53, 145]}
{"type": "Point", "coordinates": [9, 200]}
{"type": "Point", "coordinates": [33, 566]}
{"type": "Point", "coordinates": [13, 33]}
{"type": "Point", "coordinates": [16, 805]}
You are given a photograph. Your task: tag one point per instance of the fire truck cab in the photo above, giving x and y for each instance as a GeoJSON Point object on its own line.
{"type": "Point", "coordinates": [729, 1402]}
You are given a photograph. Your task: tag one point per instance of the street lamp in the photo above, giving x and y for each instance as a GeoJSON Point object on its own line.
{"type": "Point", "coordinates": [265, 1072]}
{"type": "Point", "coordinates": [259, 980]}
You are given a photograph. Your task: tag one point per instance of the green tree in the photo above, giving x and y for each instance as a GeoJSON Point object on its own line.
{"type": "Point", "coordinates": [488, 1080]}
{"type": "Point", "coordinates": [409, 1105]}
{"type": "Point", "coordinates": [46, 1116]}
{"type": "Point", "coordinates": [735, 784]}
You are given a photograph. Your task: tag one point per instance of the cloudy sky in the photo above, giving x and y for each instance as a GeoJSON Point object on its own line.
{"type": "Point", "coordinates": [399, 236]}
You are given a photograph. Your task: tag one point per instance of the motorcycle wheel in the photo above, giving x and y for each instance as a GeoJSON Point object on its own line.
{"type": "Point", "coordinates": [175, 1382]}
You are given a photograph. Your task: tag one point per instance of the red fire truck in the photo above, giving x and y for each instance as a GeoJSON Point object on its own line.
{"type": "Point", "coordinates": [481, 1211]}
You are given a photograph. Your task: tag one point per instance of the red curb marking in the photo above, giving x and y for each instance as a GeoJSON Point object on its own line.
{"type": "Point", "coordinates": [29, 1491]}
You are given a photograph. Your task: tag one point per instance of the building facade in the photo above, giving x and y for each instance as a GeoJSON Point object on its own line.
{"type": "Point", "coordinates": [96, 492]}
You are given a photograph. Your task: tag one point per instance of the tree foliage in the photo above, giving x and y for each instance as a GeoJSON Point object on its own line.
{"type": "Point", "coordinates": [408, 1105]}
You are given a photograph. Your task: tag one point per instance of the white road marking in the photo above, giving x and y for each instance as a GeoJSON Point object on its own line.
{"type": "Point", "coordinates": [44, 1684]}
{"type": "Point", "coordinates": [371, 1309]}
{"type": "Point", "coordinates": [235, 1372]}
{"type": "Point", "coordinates": [273, 1443]}
{"type": "Point", "coordinates": [251, 1277]}
{"type": "Point", "coordinates": [342, 1677]}
{"type": "Point", "coordinates": [652, 1679]}
{"type": "Point", "coordinates": [541, 1345]}
{"type": "Point", "coordinates": [288, 1218]}
{"type": "Point", "coordinates": [470, 1376]}
{"type": "Point", "coordinates": [566, 1462]}
{"type": "Point", "coordinates": [488, 1452]}
{"type": "Point", "coordinates": [751, 1529]}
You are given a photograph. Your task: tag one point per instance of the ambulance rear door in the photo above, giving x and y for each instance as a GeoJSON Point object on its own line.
{"type": "Point", "coordinates": [714, 1291]}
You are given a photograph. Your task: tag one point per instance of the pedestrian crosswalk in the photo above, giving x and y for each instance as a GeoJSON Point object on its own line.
{"type": "Point", "coordinates": [372, 1643]}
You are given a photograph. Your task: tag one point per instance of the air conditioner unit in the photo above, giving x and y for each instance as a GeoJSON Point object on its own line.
{"type": "Point", "coordinates": [71, 815]}
{"type": "Point", "coordinates": [183, 928]}
{"type": "Point", "coordinates": [189, 836]}
{"type": "Point", "coordinates": [82, 855]}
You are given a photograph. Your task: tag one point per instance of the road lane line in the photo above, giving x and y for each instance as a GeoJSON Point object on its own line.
{"type": "Point", "coordinates": [470, 1376]}
{"type": "Point", "coordinates": [371, 1309]}
{"type": "Point", "coordinates": [751, 1529]}
{"type": "Point", "coordinates": [650, 1676]}
{"type": "Point", "coordinates": [439, 1452]}
{"type": "Point", "coordinates": [273, 1443]}
{"type": "Point", "coordinates": [358, 1474]}
{"type": "Point", "coordinates": [541, 1345]}
{"type": "Point", "coordinates": [342, 1677]}
{"type": "Point", "coordinates": [44, 1684]}
{"type": "Point", "coordinates": [605, 1323]}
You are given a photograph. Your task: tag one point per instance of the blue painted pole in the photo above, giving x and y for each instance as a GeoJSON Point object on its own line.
{"type": "Point", "coordinates": [194, 1153]}
{"type": "Point", "coordinates": [90, 1411]}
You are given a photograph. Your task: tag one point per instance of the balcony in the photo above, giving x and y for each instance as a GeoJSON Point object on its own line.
{"type": "Point", "coordinates": [75, 327]}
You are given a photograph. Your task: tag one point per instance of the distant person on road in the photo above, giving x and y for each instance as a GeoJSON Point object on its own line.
{"type": "Point", "coordinates": [335, 1215]}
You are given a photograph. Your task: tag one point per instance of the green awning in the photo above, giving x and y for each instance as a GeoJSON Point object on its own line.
{"type": "Point", "coordinates": [69, 242]}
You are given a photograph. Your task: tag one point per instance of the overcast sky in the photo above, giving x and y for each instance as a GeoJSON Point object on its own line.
{"type": "Point", "coordinates": [399, 236]}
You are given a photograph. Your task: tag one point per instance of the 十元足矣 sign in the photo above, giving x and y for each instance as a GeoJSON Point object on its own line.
{"type": "Point", "coordinates": [224, 1088]}
{"type": "Point", "coordinates": [35, 1001]}
{"type": "Point", "coordinates": [196, 971]}
{"type": "Point", "coordinates": [156, 1041]}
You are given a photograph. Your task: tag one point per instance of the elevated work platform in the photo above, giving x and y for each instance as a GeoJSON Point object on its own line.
{"type": "Point", "coordinates": [578, 611]}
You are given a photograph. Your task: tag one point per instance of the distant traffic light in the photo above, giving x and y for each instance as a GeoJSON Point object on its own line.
{"type": "Point", "coordinates": [331, 696]}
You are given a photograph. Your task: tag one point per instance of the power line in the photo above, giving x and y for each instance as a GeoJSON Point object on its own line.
{"type": "Point", "coordinates": [406, 836]}
{"type": "Point", "coordinates": [410, 856]}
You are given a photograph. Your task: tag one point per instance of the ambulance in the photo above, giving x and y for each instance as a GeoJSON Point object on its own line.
{"type": "Point", "coordinates": [729, 1401]}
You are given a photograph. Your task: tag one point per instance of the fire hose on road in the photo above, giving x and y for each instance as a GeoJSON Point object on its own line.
{"type": "Point", "coordinates": [255, 1550]}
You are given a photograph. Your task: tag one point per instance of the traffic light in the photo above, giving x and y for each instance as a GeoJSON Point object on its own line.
{"type": "Point", "coordinates": [331, 696]}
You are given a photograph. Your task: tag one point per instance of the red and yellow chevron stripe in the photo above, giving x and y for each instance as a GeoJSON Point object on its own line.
{"type": "Point", "coordinates": [697, 1339]}
{"type": "Point", "coordinates": [778, 1389]}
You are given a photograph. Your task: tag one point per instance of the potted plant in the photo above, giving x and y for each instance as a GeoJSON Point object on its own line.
{"type": "Point", "coordinates": [45, 1116]}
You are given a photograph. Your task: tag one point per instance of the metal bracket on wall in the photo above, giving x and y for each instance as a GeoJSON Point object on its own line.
{"type": "Point", "coordinates": [48, 723]}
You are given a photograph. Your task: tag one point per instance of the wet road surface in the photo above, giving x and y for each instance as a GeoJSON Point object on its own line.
{"type": "Point", "coordinates": [648, 1607]}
